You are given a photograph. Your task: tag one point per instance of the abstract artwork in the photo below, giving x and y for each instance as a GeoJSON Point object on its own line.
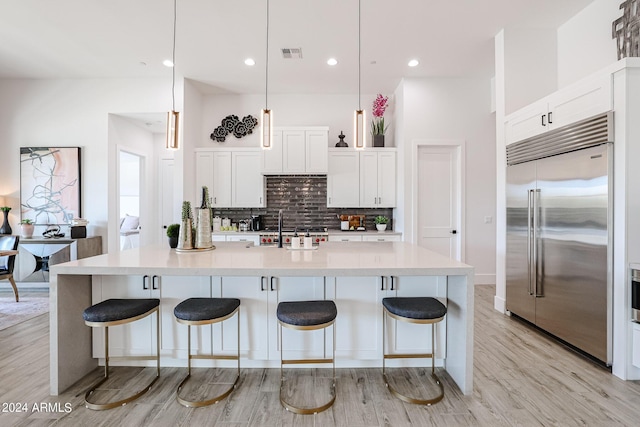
{"type": "Point", "coordinates": [50, 184]}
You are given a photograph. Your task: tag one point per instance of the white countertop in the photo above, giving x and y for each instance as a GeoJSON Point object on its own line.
{"type": "Point", "coordinates": [239, 259]}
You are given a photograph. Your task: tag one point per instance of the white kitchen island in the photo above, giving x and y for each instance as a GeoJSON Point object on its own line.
{"type": "Point", "coordinates": [355, 275]}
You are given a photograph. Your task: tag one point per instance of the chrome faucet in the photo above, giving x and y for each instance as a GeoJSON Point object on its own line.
{"type": "Point", "coordinates": [280, 228]}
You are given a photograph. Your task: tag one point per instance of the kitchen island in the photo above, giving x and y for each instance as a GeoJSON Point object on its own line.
{"type": "Point", "coordinates": [355, 275]}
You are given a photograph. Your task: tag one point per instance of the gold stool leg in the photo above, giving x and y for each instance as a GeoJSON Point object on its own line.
{"type": "Point", "coordinates": [307, 411]}
{"type": "Point", "coordinates": [200, 403]}
{"type": "Point", "coordinates": [431, 355]}
{"type": "Point", "coordinates": [109, 405]}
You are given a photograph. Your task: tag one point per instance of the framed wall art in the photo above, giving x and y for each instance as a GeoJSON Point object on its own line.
{"type": "Point", "coordinates": [50, 184]}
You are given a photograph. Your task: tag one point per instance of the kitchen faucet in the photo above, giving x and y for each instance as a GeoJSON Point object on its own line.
{"type": "Point", "coordinates": [280, 228]}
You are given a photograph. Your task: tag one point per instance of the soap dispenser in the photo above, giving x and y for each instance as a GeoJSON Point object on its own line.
{"type": "Point", "coordinates": [307, 241]}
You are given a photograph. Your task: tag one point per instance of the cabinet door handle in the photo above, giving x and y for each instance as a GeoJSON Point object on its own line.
{"type": "Point", "coordinates": [145, 285]}
{"type": "Point", "coordinates": [382, 283]}
{"type": "Point", "coordinates": [215, 200]}
{"type": "Point", "coordinates": [260, 200]}
{"type": "Point", "coordinates": [329, 200]}
{"type": "Point", "coordinates": [543, 117]}
{"type": "Point", "coordinates": [392, 282]}
{"type": "Point", "coordinates": [271, 283]}
{"type": "Point", "coordinates": [263, 279]}
{"type": "Point", "coordinates": [379, 200]}
{"type": "Point", "coordinates": [154, 282]}
{"type": "Point", "coordinates": [549, 118]}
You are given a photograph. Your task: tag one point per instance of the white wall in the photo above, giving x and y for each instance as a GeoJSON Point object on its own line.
{"type": "Point", "coordinates": [585, 44]}
{"type": "Point", "coordinates": [72, 113]}
{"type": "Point", "coordinates": [455, 109]}
{"type": "Point", "coordinates": [335, 111]}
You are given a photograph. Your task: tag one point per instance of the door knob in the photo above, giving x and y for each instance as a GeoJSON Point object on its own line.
{"type": "Point", "coordinates": [453, 232]}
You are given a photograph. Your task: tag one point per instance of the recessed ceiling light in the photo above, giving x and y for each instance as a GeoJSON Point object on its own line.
{"type": "Point", "coordinates": [332, 61]}
{"type": "Point", "coordinates": [413, 63]}
{"type": "Point", "coordinates": [250, 62]}
{"type": "Point", "coordinates": [167, 63]}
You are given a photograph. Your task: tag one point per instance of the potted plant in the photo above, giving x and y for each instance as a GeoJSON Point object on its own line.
{"type": "Point", "coordinates": [26, 228]}
{"type": "Point", "coordinates": [381, 222]}
{"type": "Point", "coordinates": [173, 231]}
{"type": "Point", "coordinates": [377, 124]}
{"type": "Point", "coordinates": [6, 228]}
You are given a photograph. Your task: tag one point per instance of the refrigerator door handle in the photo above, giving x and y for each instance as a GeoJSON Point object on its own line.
{"type": "Point", "coordinates": [536, 227]}
{"type": "Point", "coordinates": [529, 251]}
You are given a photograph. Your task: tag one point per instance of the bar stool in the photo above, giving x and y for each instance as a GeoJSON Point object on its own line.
{"type": "Point", "coordinates": [307, 316]}
{"type": "Point", "coordinates": [206, 311]}
{"type": "Point", "coordinates": [113, 312]}
{"type": "Point", "coordinates": [420, 310]}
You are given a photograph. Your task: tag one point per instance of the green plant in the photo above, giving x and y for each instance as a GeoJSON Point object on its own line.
{"type": "Point", "coordinates": [173, 230]}
{"type": "Point", "coordinates": [26, 221]}
{"type": "Point", "coordinates": [5, 208]}
{"type": "Point", "coordinates": [381, 219]}
{"type": "Point", "coordinates": [186, 211]}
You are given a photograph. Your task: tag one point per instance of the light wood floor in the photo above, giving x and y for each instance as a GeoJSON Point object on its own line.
{"type": "Point", "coordinates": [521, 379]}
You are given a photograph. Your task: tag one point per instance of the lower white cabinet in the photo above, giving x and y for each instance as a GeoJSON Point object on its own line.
{"type": "Point", "coordinates": [358, 325]}
{"type": "Point", "coordinates": [138, 338]}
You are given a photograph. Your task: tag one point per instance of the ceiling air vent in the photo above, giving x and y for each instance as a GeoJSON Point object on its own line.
{"type": "Point", "coordinates": [292, 53]}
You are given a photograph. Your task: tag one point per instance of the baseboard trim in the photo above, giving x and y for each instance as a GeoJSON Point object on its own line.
{"type": "Point", "coordinates": [500, 304]}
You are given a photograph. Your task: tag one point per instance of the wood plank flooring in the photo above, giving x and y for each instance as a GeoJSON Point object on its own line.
{"type": "Point", "coordinates": [522, 378]}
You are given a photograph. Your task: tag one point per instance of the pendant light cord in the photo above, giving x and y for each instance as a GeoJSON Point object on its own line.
{"type": "Point", "coordinates": [173, 58]}
{"type": "Point", "coordinates": [266, 73]}
{"type": "Point", "coordinates": [359, 61]}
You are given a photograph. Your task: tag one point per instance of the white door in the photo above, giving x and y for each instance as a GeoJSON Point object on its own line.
{"type": "Point", "coordinates": [439, 200]}
{"type": "Point", "coordinates": [168, 210]}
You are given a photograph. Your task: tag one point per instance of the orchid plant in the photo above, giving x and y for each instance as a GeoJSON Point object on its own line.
{"type": "Point", "coordinates": [379, 107]}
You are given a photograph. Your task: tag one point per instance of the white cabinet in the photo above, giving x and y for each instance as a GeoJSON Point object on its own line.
{"type": "Point", "coordinates": [381, 238]}
{"type": "Point", "coordinates": [297, 151]}
{"type": "Point", "coordinates": [233, 177]}
{"type": "Point", "coordinates": [346, 237]}
{"type": "Point", "coordinates": [377, 179]}
{"type": "Point", "coordinates": [358, 300]}
{"type": "Point", "coordinates": [213, 169]}
{"type": "Point", "coordinates": [576, 102]}
{"type": "Point", "coordinates": [138, 338]}
{"type": "Point", "coordinates": [343, 179]}
{"type": "Point", "coordinates": [247, 183]}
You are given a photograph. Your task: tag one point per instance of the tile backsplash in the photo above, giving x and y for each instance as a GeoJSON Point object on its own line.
{"type": "Point", "coordinates": [303, 199]}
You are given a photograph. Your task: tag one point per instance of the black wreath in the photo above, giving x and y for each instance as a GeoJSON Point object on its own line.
{"type": "Point", "coordinates": [232, 124]}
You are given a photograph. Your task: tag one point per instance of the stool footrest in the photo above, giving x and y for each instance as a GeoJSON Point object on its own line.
{"type": "Point", "coordinates": [200, 403]}
{"type": "Point", "coordinates": [305, 361]}
{"type": "Point", "coordinates": [409, 399]}
{"type": "Point", "coordinates": [309, 411]}
{"type": "Point", "coordinates": [110, 405]}
{"type": "Point", "coordinates": [408, 356]}
{"type": "Point", "coordinates": [213, 357]}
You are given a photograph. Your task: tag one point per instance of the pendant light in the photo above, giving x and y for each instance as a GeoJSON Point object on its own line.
{"type": "Point", "coordinates": [173, 117]}
{"type": "Point", "coordinates": [266, 115]}
{"type": "Point", "coordinates": [359, 117]}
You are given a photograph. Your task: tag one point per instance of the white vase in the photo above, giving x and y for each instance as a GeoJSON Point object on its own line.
{"type": "Point", "coordinates": [185, 237]}
{"type": "Point", "coordinates": [203, 229]}
{"type": "Point", "coordinates": [381, 227]}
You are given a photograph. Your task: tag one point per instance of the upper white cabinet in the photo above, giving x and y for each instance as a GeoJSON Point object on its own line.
{"type": "Point", "coordinates": [297, 151]}
{"type": "Point", "coordinates": [579, 101]}
{"type": "Point", "coordinates": [343, 179]}
{"type": "Point", "coordinates": [233, 177]}
{"type": "Point", "coordinates": [361, 179]}
{"type": "Point", "coordinates": [377, 179]}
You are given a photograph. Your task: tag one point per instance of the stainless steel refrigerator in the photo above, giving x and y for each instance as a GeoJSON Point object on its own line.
{"type": "Point", "coordinates": [559, 234]}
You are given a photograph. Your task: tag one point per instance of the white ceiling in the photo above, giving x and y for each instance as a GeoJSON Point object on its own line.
{"type": "Point", "coordinates": [113, 38]}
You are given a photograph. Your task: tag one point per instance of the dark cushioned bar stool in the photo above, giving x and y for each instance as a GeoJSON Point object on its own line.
{"type": "Point", "coordinates": [206, 311]}
{"type": "Point", "coordinates": [307, 316]}
{"type": "Point", "coordinates": [113, 312]}
{"type": "Point", "coordinates": [420, 310]}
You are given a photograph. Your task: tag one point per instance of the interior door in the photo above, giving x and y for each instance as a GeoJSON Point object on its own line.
{"type": "Point", "coordinates": [520, 185]}
{"type": "Point", "coordinates": [439, 200]}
